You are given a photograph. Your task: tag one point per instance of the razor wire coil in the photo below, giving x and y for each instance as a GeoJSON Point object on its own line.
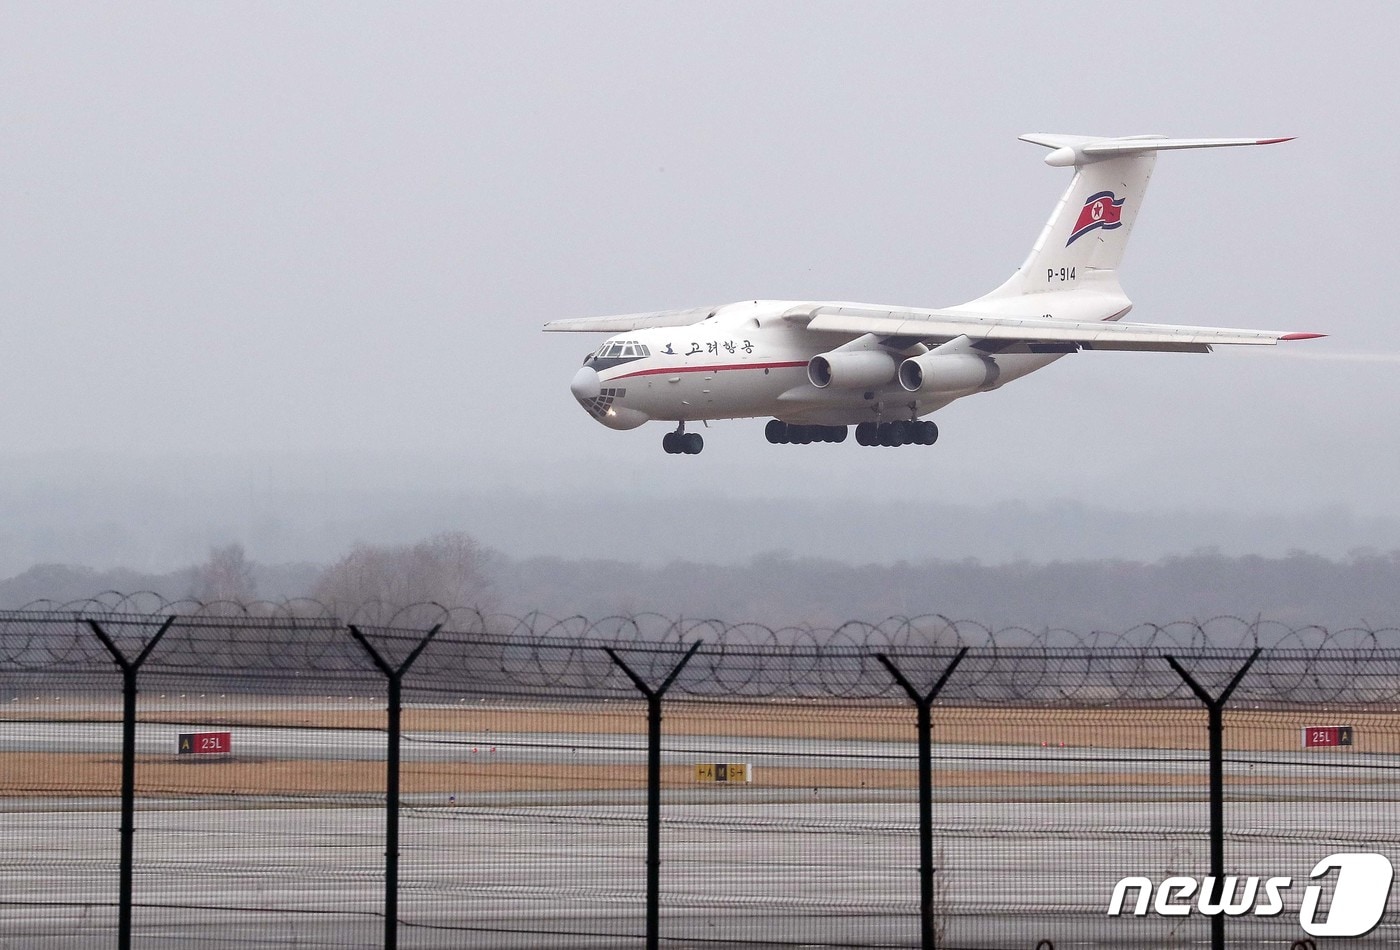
{"type": "Point", "coordinates": [264, 645]}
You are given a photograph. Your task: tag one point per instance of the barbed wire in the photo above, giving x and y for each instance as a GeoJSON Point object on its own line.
{"type": "Point", "coordinates": [305, 645]}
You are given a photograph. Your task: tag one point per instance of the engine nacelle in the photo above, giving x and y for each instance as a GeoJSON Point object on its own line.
{"type": "Point", "coordinates": [936, 372]}
{"type": "Point", "coordinates": [852, 369]}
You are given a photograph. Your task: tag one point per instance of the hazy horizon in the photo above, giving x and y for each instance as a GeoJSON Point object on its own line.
{"type": "Point", "coordinates": [276, 275]}
{"type": "Point", "coordinates": [162, 516]}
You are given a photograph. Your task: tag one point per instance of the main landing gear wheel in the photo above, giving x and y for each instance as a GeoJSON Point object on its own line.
{"type": "Point", "coordinates": [682, 443]}
{"type": "Point", "coordinates": [897, 433]}
{"type": "Point", "coordinates": [781, 433]}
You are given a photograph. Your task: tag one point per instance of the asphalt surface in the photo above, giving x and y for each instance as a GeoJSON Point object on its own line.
{"type": "Point", "coordinates": [747, 866]}
{"type": "Point", "coordinates": [812, 874]}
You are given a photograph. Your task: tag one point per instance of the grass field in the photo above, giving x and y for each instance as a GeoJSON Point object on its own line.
{"type": "Point", "coordinates": [30, 773]}
{"type": "Point", "coordinates": [1128, 728]}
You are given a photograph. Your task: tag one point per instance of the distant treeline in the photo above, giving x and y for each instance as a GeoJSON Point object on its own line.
{"type": "Point", "coordinates": [1081, 595]}
{"type": "Point", "coordinates": [778, 590]}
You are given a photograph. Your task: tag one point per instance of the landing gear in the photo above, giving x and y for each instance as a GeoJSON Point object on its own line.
{"type": "Point", "coordinates": [897, 433]}
{"type": "Point", "coordinates": [682, 442]}
{"type": "Point", "coordinates": [781, 433]}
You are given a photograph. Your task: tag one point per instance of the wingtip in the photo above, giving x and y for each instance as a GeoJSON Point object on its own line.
{"type": "Point", "coordinates": [1302, 336]}
{"type": "Point", "coordinates": [1286, 138]}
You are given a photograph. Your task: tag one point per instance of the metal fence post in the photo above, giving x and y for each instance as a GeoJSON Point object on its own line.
{"type": "Point", "coordinates": [394, 675]}
{"type": "Point", "coordinates": [129, 670]}
{"type": "Point", "coordinates": [923, 702]}
{"type": "Point", "coordinates": [653, 698]}
{"type": "Point", "coordinates": [1215, 709]}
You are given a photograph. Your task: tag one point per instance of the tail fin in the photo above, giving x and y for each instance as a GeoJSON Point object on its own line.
{"type": "Point", "coordinates": [1082, 244]}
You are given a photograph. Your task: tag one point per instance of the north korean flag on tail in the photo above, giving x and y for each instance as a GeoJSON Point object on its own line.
{"type": "Point", "coordinates": [1102, 210]}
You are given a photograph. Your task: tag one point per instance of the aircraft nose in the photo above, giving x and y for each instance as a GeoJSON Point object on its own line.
{"type": "Point", "coordinates": [585, 384]}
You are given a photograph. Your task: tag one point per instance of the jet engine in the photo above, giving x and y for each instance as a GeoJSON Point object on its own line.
{"type": "Point", "coordinates": [936, 372]}
{"type": "Point", "coordinates": [852, 369]}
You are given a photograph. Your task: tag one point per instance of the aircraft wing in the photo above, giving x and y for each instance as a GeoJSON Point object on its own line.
{"type": "Point", "coordinates": [1037, 332]}
{"type": "Point", "coordinates": [621, 323]}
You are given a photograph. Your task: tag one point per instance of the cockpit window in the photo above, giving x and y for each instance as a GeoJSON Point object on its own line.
{"type": "Point", "coordinates": [618, 351]}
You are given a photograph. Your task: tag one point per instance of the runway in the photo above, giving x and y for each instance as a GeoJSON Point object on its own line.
{"type": "Point", "coordinates": [1029, 842]}
{"type": "Point", "coordinates": [809, 874]}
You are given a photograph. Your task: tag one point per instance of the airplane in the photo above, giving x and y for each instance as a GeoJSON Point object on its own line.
{"type": "Point", "coordinates": [819, 367]}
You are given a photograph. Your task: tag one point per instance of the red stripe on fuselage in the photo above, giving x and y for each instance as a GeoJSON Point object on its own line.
{"type": "Point", "coordinates": [707, 369]}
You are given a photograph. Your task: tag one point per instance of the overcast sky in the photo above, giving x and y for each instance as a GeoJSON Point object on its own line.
{"type": "Point", "coordinates": [312, 244]}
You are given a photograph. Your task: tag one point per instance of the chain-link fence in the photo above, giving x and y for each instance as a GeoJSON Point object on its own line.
{"type": "Point", "coordinates": [218, 776]}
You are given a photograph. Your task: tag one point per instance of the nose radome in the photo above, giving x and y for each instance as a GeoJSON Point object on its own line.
{"type": "Point", "coordinates": [586, 384]}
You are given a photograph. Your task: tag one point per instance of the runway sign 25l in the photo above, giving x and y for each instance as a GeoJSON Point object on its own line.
{"type": "Point", "coordinates": [205, 743]}
{"type": "Point", "coordinates": [1315, 736]}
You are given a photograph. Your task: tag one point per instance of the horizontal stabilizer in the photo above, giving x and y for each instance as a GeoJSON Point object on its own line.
{"type": "Point", "coordinates": [1085, 149]}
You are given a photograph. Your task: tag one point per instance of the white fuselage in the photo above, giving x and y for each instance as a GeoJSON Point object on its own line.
{"type": "Point", "coordinates": [747, 361]}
